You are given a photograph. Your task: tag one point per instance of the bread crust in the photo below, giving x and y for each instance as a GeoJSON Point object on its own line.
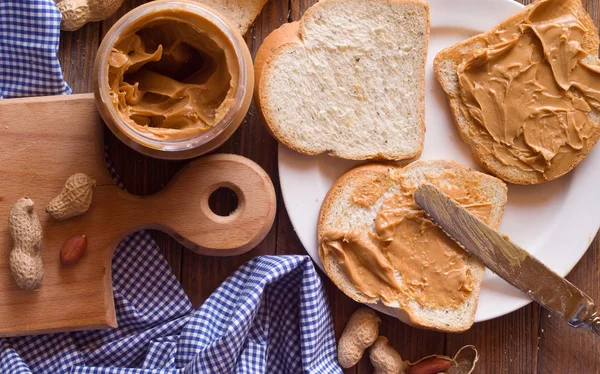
{"type": "Point", "coordinates": [454, 56]}
{"type": "Point", "coordinates": [365, 172]}
{"type": "Point", "coordinates": [290, 34]}
{"type": "Point", "coordinates": [286, 33]}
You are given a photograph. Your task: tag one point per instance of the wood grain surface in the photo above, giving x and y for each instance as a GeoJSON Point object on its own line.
{"type": "Point", "coordinates": [525, 341]}
{"type": "Point", "coordinates": [72, 141]}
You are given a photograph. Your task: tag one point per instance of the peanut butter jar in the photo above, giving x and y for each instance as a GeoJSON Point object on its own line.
{"type": "Point", "coordinates": [173, 79]}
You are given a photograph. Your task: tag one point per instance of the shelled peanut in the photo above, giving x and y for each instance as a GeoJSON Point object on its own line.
{"type": "Point", "coordinates": [73, 250]}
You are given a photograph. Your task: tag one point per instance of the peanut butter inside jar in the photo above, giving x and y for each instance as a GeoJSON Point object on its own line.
{"type": "Point", "coordinates": [170, 80]}
{"type": "Point", "coordinates": [173, 76]}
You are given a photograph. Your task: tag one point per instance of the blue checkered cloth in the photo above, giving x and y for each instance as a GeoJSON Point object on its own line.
{"type": "Point", "coordinates": [29, 35]}
{"type": "Point", "coordinates": [270, 316]}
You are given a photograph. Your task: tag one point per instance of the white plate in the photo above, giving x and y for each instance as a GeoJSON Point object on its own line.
{"type": "Point", "coordinates": [555, 221]}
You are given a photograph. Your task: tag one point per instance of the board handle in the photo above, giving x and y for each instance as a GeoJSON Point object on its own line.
{"type": "Point", "coordinates": [183, 211]}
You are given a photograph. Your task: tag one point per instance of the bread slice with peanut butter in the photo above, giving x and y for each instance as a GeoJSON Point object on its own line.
{"type": "Point", "coordinates": [348, 79]}
{"type": "Point", "coordinates": [525, 95]}
{"type": "Point", "coordinates": [379, 247]}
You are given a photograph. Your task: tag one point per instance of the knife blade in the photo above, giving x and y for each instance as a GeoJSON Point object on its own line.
{"type": "Point", "coordinates": [509, 261]}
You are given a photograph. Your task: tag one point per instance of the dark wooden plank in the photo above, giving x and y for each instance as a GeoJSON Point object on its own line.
{"type": "Point", "coordinates": [564, 349]}
{"type": "Point", "coordinates": [506, 344]}
{"type": "Point", "coordinates": [76, 53]}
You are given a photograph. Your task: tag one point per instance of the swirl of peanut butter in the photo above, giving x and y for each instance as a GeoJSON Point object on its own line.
{"type": "Point", "coordinates": [170, 80]}
{"type": "Point", "coordinates": [531, 93]}
{"type": "Point", "coordinates": [359, 256]}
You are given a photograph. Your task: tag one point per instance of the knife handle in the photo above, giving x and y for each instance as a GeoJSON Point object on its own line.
{"type": "Point", "coordinates": [593, 323]}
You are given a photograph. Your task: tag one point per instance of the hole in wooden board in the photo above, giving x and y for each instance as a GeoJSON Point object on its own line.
{"type": "Point", "coordinates": [223, 201]}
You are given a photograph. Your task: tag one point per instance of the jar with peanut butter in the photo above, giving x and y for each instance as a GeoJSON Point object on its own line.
{"type": "Point", "coordinates": [173, 79]}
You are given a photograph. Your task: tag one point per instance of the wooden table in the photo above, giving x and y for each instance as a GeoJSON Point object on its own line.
{"type": "Point", "coordinates": [525, 341]}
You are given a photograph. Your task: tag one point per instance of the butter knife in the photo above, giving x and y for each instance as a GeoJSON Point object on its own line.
{"type": "Point", "coordinates": [509, 261]}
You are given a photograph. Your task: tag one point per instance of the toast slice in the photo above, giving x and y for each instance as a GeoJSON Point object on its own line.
{"type": "Point", "coordinates": [342, 211]}
{"type": "Point", "coordinates": [348, 79]}
{"type": "Point", "coordinates": [448, 62]}
{"type": "Point", "coordinates": [242, 13]}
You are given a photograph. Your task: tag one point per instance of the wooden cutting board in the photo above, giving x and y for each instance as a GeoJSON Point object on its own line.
{"type": "Point", "coordinates": [45, 140]}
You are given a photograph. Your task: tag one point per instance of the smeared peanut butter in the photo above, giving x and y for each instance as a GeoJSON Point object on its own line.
{"type": "Point", "coordinates": [363, 263]}
{"type": "Point", "coordinates": [531, 94]}
{"type": "Point", "coordinates": [368, 192]}
{"type": "Point", "coordinates": [172, 78]}
{"type": "Point", "coordinates": [434, 270]}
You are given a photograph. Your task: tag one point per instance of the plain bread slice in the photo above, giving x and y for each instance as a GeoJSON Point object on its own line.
{"type": "Point", "coordinates": [348, 79]}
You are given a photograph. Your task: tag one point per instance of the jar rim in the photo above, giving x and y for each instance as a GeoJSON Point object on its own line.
{"type": "Point", "coordinates": [120, 127]}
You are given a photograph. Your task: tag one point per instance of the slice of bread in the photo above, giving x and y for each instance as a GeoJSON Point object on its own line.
{"type": "Point", "coordinates": [241, 13]}
{"type": "Point", "coordinates": [446, 65]}
{"type": "Point", "coordinates": [340, 212]}
{"type": "Point", "coordinates": [348, 79]}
